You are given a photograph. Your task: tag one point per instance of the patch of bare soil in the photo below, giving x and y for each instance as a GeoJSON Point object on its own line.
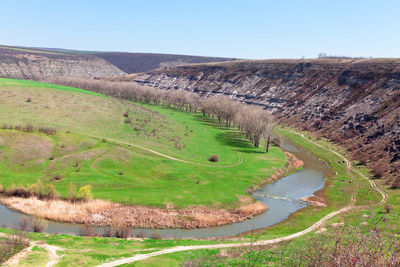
{"type": "Point", "coordinates": [100, 212]}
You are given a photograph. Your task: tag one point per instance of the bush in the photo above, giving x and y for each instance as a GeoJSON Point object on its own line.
{"type": "Point", "coordinates": [87, 230]}
{"type": "Point", "coordinates": [85, 193]}
{"type": "Point", "coordinates": [28, 100]}
{"type": "Point", "coordinates": [213, 158]}
{"type": "Point", "coordinates": [39, 225]}
{"type": "Point", "coordinates": [28, 128]}
{"type": "Point", "coordinates": [123, 232]}
{"type": "Point", "coordinates": [12, 245]}
{"type": "Point", "coordinates": [17, 191]}
{"type": "Point", "coordinates": [50, 192]}
{"type": "Point", "coordinates": [141, 234]}
{"type": "Point", "coordinates": [378, 171]}
{"type": "Point", "coordinates": [33, 189]}
{"type": "Point", "coordinates": [47, 130]}
{"type": "Point", "coordinates": [155, 236]}
{"type": "Point", "coordinates": [108, 232]}
{"type": "Point", "coordinates": [23, 223]}
{"type": "Point", "coordinates": [72, 192]}
{"type": "Point", "coordinates": [56, 177]}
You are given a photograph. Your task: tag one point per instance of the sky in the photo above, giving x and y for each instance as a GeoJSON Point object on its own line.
{"type": "Point", "coordinates": [248, 29]}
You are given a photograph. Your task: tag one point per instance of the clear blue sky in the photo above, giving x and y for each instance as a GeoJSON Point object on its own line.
{"type": "Point", "coordinates": [242, 29]}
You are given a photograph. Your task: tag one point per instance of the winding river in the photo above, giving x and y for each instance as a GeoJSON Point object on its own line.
{"type": "Point", "coordinates": [283, 197]}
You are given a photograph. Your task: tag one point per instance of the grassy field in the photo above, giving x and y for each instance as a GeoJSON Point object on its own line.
{"type": "Point", "coordinates": [92, 147]}
{"type": "Point", "coordinates": [91, 251]}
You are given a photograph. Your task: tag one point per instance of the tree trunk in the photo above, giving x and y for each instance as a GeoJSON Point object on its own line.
{"type": "Point", "coordinates": [268, 142]}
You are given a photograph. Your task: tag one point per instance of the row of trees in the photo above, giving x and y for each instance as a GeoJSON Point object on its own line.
{"type": "Point", "coordinates": [253, 121]}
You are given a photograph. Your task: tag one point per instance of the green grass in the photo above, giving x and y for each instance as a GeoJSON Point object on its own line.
{"type": "Point", "coordinates": [91, 251]}
{"type": "Point", "coordinates": [148, 179]}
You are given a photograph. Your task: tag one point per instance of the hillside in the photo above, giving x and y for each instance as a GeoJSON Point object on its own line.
{"type": "Point", "coordinates": [355, 102]}
{"type": "Point", "coordinates": [39, 65]}
{"type": "Point", "coordinates": [129, 153]}
{"type": "Point", "coordinates": [44, 63]}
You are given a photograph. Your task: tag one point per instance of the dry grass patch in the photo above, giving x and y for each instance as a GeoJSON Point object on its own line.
{"type": "Point", "coordinates": [101, 212]}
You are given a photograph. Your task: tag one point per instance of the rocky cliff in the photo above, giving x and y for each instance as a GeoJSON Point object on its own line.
{"type": "Point", "coordinates": [355, 102]}
{"type": "Point", "coordinates": [42, 63]}
{"type": "Point", "coordinates": [38, 65]}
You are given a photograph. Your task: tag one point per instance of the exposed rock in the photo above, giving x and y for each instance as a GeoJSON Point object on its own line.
{"type": "Point", "coordinates": [39, 66]}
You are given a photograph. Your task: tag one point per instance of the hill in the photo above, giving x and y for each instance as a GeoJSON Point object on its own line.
{"type": "Point", "coordinates": [44, 63]}
{"type": "Point", "coordinates": [355, 102]}
{"type": "Point", "coordinates": [129, 153]}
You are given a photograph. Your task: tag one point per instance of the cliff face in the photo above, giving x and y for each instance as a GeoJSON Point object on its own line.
{"type": "Point", "coordinates": [40, 63]}
{"type": "Point", "coordinates": [43, 65]}
{"type": "Point", "coordinates": [353, 102]}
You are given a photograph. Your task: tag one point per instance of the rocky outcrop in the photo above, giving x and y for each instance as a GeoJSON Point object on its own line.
{"type": "Point", "coordinates": [46, 65]}
{"type": "Point", "coordinates": [355, 102]}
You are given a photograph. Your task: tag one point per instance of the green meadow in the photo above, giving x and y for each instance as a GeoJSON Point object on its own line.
{"type": "Point", "coordinates": [97, 143]}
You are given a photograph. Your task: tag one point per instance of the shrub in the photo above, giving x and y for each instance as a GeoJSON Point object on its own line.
{"type": "Point", "coordinates": [87, 230]}
{"type": "Point", "coordinates": [28, 128]}
{"type": "Point", "coordinates": [33, 189]}
{"type": "Point", "coordinates": [123, 232]}
{"type": "Point", "coordinates": [128, 121]}
{"type": "Point", "coordinates": [23, 223]}
{"type": "Point", "coordinates": [12, 245]}
{"type": "Point", "coordinates": [126, 114]}
{"type": "Point", "coordinates": [121, 173]}
{"type": "Point", "coordinates": [213, 158]}
{"type": "Point", "coordinates": [50, 192]}
{"type": "Point", "coordinates": [56, 177]}
{"type": "Point", "coordinates": [28, 100]}
{"type": "Point", "coordinates": [72, 192]}
{"type": "Point", "coordinates": [378, 171]}
{"type": "Point", "coordinates": [155, 236]}
{"type": "Point", "coordinates": [39, 225]}
{"type": "Point", "coordinates": [141, 234]}
{"type": "Point", "coordinates": [47, 130]}
{"type": "Point", "coordinates": [1, 188]}
{"type": "Point", "coordinates": [17, 191]}
{"type": "Point", "coordinates": [108, 232]}
{"type": "Point", "coordinates": [85, 193]}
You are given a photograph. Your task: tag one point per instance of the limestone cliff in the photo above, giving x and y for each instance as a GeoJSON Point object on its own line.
{"type": "Point", "coordinates": [24, 64]}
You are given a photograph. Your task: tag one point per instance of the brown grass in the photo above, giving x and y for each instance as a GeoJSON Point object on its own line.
{"type": "Point", "coordinates": [100, 212]}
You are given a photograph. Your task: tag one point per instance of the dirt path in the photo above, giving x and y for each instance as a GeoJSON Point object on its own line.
{"type": "Point", "coordinates": [51, 251]}
{"type": "Point", "coordinates": [350, 167]}
{"type": "Point", "coordinates": [262, 242]}
{"type": "Point", "coordinates": [239, 161]}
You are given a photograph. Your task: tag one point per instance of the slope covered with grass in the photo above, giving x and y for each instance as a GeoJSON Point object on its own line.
{"type": "Point", "coordinates": [96, 143]}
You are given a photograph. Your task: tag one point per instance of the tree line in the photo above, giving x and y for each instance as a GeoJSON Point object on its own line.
{"type": "Point", "coordinates": [253, 121]}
